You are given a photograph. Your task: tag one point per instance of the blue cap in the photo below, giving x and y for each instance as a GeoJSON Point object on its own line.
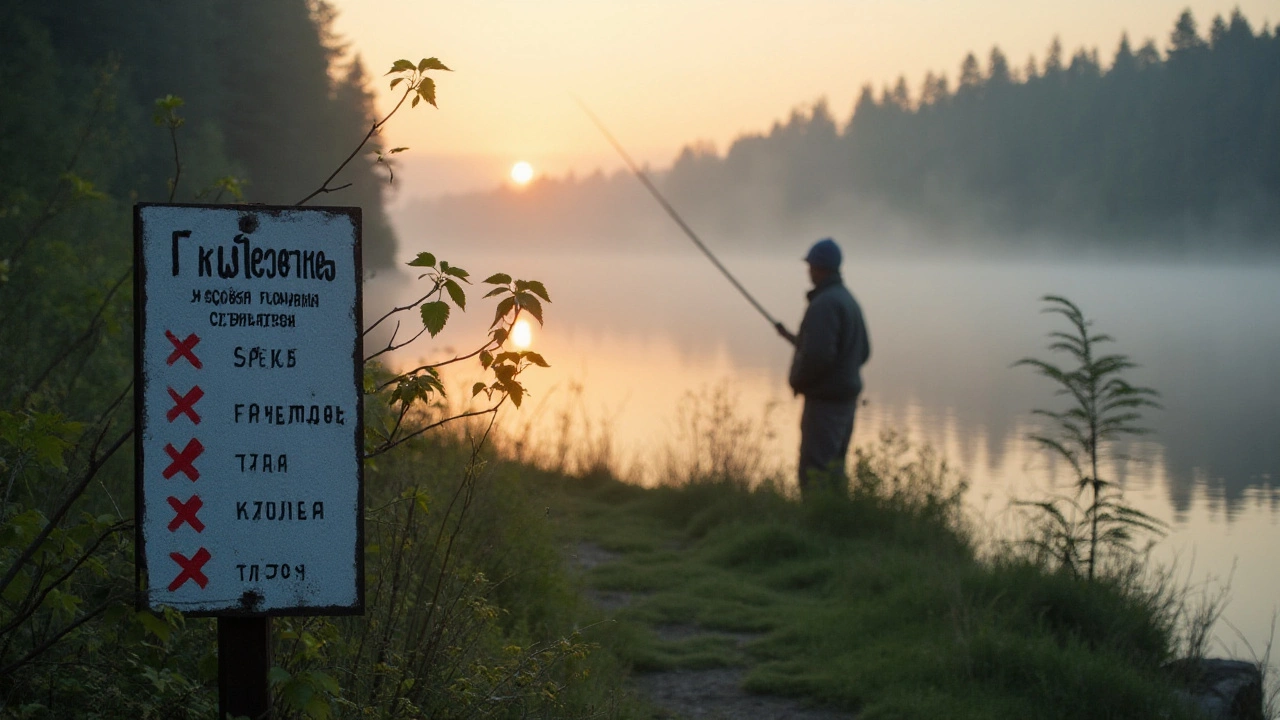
{"type": "Point", "coordinates": [824, 254]}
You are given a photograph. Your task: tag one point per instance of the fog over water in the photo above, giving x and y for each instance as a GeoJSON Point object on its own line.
{"type": "Point", "coordinates": [1122, 180]}
{"type": "Point", "coordinates": [632, 336]}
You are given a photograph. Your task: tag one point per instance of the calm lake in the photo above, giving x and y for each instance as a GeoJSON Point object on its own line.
{"type": "Point", "coordinates": [635, 340]}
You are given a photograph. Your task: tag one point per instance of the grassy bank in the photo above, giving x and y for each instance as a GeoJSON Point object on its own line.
{"type": "Point", "coordinates": [876, 603]}
{"type": "Point", "coordinates": [484, 581]}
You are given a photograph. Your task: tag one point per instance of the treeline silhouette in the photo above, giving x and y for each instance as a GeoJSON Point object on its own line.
{"type": "Point", "coordinates": [271, 95]}
{"type": "Point", "coordinates": [1168, 150]}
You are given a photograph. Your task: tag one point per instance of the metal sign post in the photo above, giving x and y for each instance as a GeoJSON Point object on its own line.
{"type": "Point", "coordinates": [249, 485]}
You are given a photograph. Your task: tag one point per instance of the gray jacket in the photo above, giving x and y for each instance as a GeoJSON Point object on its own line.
{"type": "Point", "coordinates": [832, 345]}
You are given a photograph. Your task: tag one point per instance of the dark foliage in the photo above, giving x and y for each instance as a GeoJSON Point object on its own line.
{"type": "Point", "coordinates": [78, 146]}
{"type": "Point", "coordinates": [270, 98]}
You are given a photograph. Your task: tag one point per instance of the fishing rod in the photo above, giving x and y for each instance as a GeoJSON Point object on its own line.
{"type": "Point", "coordinates": [644, 179]}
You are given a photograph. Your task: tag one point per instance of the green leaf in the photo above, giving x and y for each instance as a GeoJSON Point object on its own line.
{"type": "Point", "coordinates": [534, 358]}
{"type": "Point", "coordinates": [424, 259]}
{"type": "Point", "coordinates": [277, 675]}
{"type": "Point", "coordinates": [431, 64]}
{"type": "Point", "coordinates": [477, 389]}
{"type": "Point", "coordinates": [326, 682]}
{"type": "Point", "coordinates": [499, 335]}
{"type": "Point", "coordinates": [434, 316]}
{"type": "Point", "coordinates": [155, 625]}
{"type": "Point", "coordinates": [17, 589]}
{"type": "Point", "coordinates": [498, 279]}
{"type": "Point", "coordinates": [496, 291]}
{"type": "Point", "coordinates": [538, 289]}
{"type": "Point", "coordinates": [396, 82]}
{"type": "Point", "coordinates": [393, 151]}
{"type": "Point", "coordinates": [414, 104]}
{"type": "Point", "coordinates": [458, 273]}
{"type": "Point", "coordinates": [317, 708]}
{"type": "Point", "coordinates": [82, 189]}
{"type": "Point", "coordinates": [486, 359]}
{"type": "Point", "coordinates": [208, 667]}
{"type": "Point", "coordinates": [297, 694]}
{"type": "Point", "coordinates": [400, 66]}
{"type": "Point", "coordinates": [504, 307]}
{"type": "Point", "coordinates": [516, 391]}
{"type": "Point", "coordinates": [531, 303]}
{"type": "Point", "coordinates": [427, 89]}
{"type": "Point", "coordinates": [455, 292]}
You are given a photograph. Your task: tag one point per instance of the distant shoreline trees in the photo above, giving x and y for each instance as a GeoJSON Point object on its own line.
{"type": "Point", "coordinates": [1172, 151]}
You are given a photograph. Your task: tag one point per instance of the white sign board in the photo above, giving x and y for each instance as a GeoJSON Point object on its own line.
{"type": "Point", "coordinates": [248, 361]}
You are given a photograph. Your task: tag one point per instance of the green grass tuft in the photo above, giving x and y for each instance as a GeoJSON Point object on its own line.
{"type": "Point", "coordinates": [874, 603]}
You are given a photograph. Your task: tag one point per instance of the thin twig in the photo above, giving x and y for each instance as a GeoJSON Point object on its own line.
{"type": "Point", "coordinates": [94, 466]}
{"type": "Point", "coordinates": [432, 426]}
{"type": "Point", "coordinates": [404, 410]}
{"type": "Point", "coordinates": [50, 642]}
{"type": "Point", "coordinates": [392, 348]}
{"type": "Point", "coordinates": [84, 337]}
{"type": "Point", "coordinates": [324, 187]}
{"type": "Point", "coordinates": [177, 165]}
{"type": "Point", "coordinates": [34, 604]}
{"type": "Point", "coordinates": [410, 306]}
{"type": "Point", "coordinates": [440, 364]}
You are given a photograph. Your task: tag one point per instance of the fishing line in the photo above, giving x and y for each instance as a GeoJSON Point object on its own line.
{"type": "Point", "coordinates": [644, 179]}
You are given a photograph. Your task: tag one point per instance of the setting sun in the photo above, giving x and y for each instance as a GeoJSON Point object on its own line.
{"type": "Point", "coordinates": [521, 334]}
{"type": "Point", "coordinates": [521, 172]}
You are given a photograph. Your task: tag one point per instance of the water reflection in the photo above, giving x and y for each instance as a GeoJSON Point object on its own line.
{"type": "Point", "coordinates": [638, 333]}
{"type": "Point", "coordinates": [642, 330]}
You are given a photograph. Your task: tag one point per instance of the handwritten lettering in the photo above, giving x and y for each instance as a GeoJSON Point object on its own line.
{"type": "Point", "coordinates": [178, 235]}
{"type": "Point", "coordinates": [279, 510]}
{"type": "Point", "coordinates": [263, 462]}
{"type": "Point", "coordinates": [253, 413]}
{"type": "Point", "coordinates": [289, 299]}
{"type": "Point", "coordinates": [219, 319]}
{"type": "Point", "coordinates": [274, 571]}
{"type": "Point", "coordinates": [228, 297]}
{"type": "Point", "coordinates": [242, 259]}
{"type": "Point", "coordinates": [268, 358]}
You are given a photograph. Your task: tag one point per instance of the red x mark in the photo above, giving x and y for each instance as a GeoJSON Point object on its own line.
{"type": "Point", "coordinates": [185, 404]}
{"type": "Point", "coordinates": [182, 349]}
{"type": "Point", "coordinates": [182, 460]}
{"type": "Point", "coordinates": [190, 569]}
{"type": "Point", "coordinates": [186, 513]}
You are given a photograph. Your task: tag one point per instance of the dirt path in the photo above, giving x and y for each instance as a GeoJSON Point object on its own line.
{"type": "Point", "coordinates": [714, 694]}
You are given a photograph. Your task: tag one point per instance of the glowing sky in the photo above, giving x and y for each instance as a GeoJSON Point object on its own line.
{"type": "Point", "coordinates": [664, 73]}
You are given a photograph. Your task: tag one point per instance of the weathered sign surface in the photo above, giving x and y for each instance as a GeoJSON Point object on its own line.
{"type": "Point", "coordinates": [249, 481]}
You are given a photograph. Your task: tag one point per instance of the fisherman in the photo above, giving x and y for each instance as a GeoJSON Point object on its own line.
{"type": "Point", "coordinates": [831, 347]}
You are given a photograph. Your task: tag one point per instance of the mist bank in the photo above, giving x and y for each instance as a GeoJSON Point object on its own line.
{"type": "Point", "coordinates": [1169, 151]}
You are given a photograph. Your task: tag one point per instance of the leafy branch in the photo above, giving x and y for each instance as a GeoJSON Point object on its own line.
{"type": "Point", "coordinates": [421, 386]}
{"type": "Point", "coordinates": [417, 85]}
